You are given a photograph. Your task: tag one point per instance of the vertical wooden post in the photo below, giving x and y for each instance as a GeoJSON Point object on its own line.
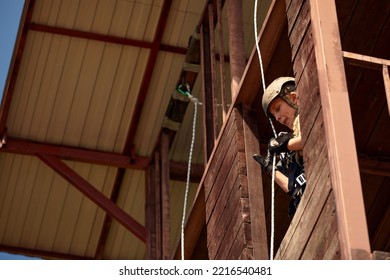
{"type": "Point", "coordinates": [213, 70]}
{"type": "Point", "coordinates": [165, 196]}
{"type": "Point", "coordinates": [255, 187]}
{"type": "Point", "coordinates": [150, 213]}
{"type": "Point", "coordinates": [386, 80]}
{"type": "Point", "coordinates": [236, 44]}
{"type": "Point", "coordinates": [157, 175]}
{"type": "Point", "coordinates": [221, 60]}
{"type": "Point", "coordinates": [208, 93]}
{"type": "Point", "coordinates": [344, 169]}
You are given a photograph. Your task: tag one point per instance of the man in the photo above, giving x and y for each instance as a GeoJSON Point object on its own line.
{"type": "Point", "coordinates": [280, 102]}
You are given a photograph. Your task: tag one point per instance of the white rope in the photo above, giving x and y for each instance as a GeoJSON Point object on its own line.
{"type": "Point", "coordinates": [274, 131]}
{"type": "Point", "coordinates": [196, 102]}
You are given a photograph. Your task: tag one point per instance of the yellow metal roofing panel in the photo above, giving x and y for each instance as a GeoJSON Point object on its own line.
{"type": "Point", "coordinates": [82, 92]}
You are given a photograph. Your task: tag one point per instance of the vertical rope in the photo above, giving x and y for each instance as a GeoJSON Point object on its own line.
{"type": "Point", "coordinates": [196, 102]}
{"type": "Point", "coordinates": [274, 131]}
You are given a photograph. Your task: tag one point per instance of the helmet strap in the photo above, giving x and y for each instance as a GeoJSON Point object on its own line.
{"type": "Point", "coordinates": [289, 102]}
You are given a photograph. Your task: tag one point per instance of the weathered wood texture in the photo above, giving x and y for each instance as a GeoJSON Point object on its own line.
{"type": "Point", "coordinates": [313, 231]}
{"type": "Point", "coordinates": [228, 215]}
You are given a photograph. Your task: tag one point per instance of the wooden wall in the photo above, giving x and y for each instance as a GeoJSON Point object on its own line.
{"type": "Point", "coordinates": [229, 234]}
{"type": "Point", "coordinates": [313, 231]}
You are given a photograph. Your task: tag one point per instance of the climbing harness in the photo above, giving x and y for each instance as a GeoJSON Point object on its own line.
{"type": "Point", "coordinates": [274, 131]}
{"type": "Point", "coordinates": [187, 92]}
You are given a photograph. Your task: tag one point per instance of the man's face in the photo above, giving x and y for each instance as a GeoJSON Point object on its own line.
{"type": "Point", "coordinates": [282, 112]}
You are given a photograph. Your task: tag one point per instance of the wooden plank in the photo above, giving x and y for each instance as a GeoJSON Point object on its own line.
{"type": "Point", "coordinates": [374, 165]}
{"type": "Point", "coordinates": [378, 255]}
{"type": "Point", "coordinates": [194, 227]}
{"type": "Point", "coordinates": [298, 32]}
{"type": "Point", "coordinates": [215, 207]}
{"type": "Point", "coordinates": [354, 240]}
{"type": "Point", "coordinates": [237, 55]}
{"type": "Point", "coordinates": [386, 81]}
{"type": "Point", "coordinates": [309, 97]}
{"type": "Point", "coordinates": [382, 233]}
{"type": "Point", "coordinates": [232, 229]}
{"type": "Point", "coordinates": [314, 146]}
{"type": "Point", "coordinates": [293, 10]}
{"type": "Point", "coordinates": [158, 213]}
{"type": "Point", "coordinates": [345, 13]}
{"type": "Point", "coordinates": [213, 71]}
{"type": "Point", "coordinates": [303, 55]}
{"type": "Point", "coordinates": [240, 249]}
{"type": "Point", "coordinates": [376, 216]}
{"type": "Point", "coordinates": [255, 188]}
{"type": "Point", "coordinates": [221, 61]}
{"type": "Point", "coordinates": [365, 61]}
{"type": "Point", "coordinates": [333, 252]}
{"type": "Point", "coordinates": [150, 213]}
{"type": "Point", "coordinates": [220, 152]}
{"type": "Point", "coordinates": [312, 183]}
{"type": "Point", "coordinates": [207, 93]}
{"type": "Point", "coordinates": [165, 197]}
{"type": "Point", "coordinates": [212, 190]}
{"type": "Point", "coordinates": [366, 109]}
{"type": "Point", "coordinates": [308, 218]}
{"type": "Point", "coordinates": [226, 218]}
{"type": "Point", "coordinates": [323, 232]}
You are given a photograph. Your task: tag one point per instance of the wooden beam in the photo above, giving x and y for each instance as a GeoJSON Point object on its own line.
{"type": "Point", "coordinates": [236, 44]}
{"type": "Point", "coordinates": [255, 187]}
{"type": "Point", "coordinates": [150, 213]}
{"type": "Point", "coordinates": [375, 165]}
{"type": "Point", "coordinates": [221, 60]}
{"type": "Point", "coordinates": [386, 80]}
{"type": "Point", "coordinates": [165, 197]}
{"type": "Point", "coordinates": [344, 169]}
{"type": "Point", "coordinates": [178, 171]}
{"type": "Point", "coordinates": [207, 93]}
{"type": "Point", "coordinates": [371, 63]}
{"type": "Point", "coordinates": [365, 60]}
{"type": "Point", "coordinates": [96, 196]}
{"type": "Point", "coordinates": [158, 212]}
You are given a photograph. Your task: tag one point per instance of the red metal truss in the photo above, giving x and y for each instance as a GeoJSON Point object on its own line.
{"type": "Point", "coordinates": [96, 196]}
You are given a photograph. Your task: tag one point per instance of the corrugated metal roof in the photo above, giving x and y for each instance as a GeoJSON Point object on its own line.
{"type": "Point", "coordinates": [77, 90]}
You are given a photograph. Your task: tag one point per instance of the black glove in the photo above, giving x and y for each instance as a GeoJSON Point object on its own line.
{"type": "Point", "coordinates": [279, 144]}
{"type": "Point", "coordinates": [266, 163]}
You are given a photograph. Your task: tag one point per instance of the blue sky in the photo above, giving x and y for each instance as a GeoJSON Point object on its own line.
{"type": "Point", "coordinates": [10, 12]}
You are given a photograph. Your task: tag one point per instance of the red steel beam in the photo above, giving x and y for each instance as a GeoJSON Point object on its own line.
{"type": "Point", "coordinates": [141, 96]}
{"type": "Point", "coordinates": [103, 38]}
{"type": "Point", "coordinates": [24, 147]}
{"type": "Point", "coordinates": [343, 163]}
{"type": "Point", "coordinates": [147, 76]}
{"type": "Point", "coordinates": [96, 196]}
